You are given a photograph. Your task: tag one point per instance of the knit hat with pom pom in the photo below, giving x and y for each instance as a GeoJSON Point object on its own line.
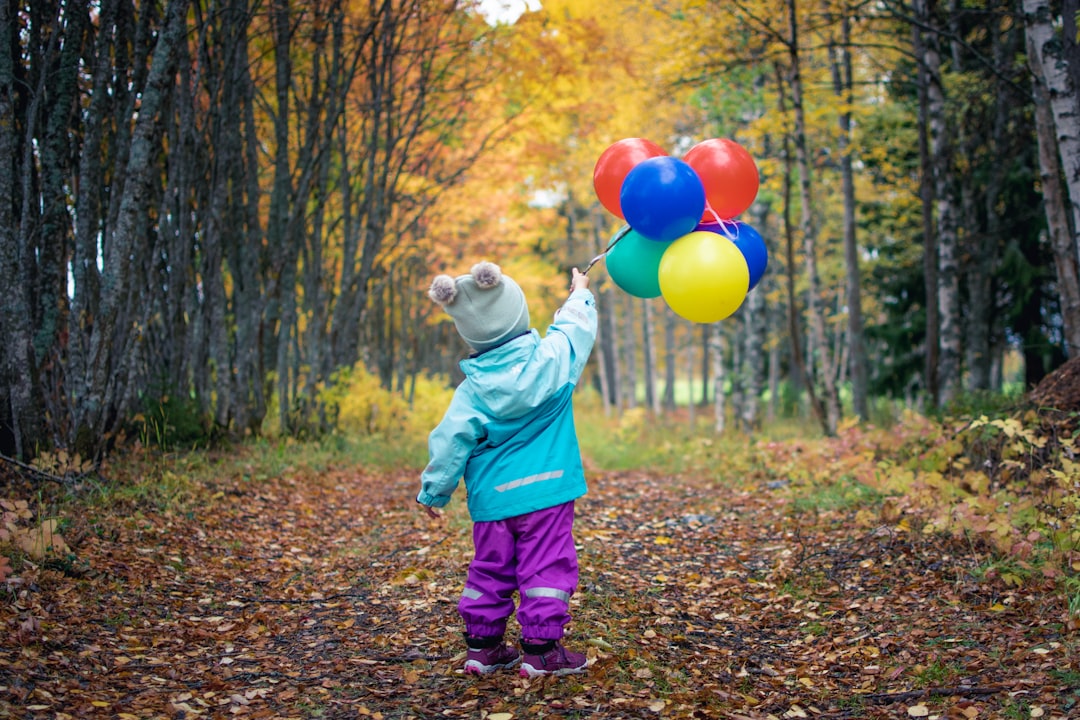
{"type": "Point", "coordinates": [487, 306]}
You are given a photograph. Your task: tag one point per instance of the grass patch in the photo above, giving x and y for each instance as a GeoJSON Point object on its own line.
{"type": "Point", "coordinates": [845, 493]}
{"type": "Point", "coordinates": [936, 674]}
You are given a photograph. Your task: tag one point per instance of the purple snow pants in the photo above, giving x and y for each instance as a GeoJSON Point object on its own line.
{"type": "Point", "coordinates": [533, 554]}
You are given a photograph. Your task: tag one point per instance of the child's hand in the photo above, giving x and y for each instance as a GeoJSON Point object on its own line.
{"type": "Point", "coordinates": [578, 280]}
{"type": "Point", "coordinates": [432, 512]}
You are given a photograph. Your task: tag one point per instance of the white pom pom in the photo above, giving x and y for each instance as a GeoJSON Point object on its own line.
{"type": "Point", "coordinates": [443, 290]}
{"type": "Point", "coordinates": [486, 274]}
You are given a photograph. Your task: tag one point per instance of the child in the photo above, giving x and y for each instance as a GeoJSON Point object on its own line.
{"type": "Point", "coordinates": [509, 431]}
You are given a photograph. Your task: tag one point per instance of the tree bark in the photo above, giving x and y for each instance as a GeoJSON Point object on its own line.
{"type": "Point", "coordinates": [101, 409]}
{"type": "Point", "coordinates": [648, 355]}
{"type": "Point", "coordinates": [842, 87]}
{"type": "Point", "coordinates": [17, 422]}
{"type": "Point", "coordinates": [808, 226]}
{"type": "Point", "coordinates": [668, 402]}
{"type": "Point", "coordinates": [948, 267]}
{"type": "Point", "coordinates": [1057, 114]}
{"type": "Point", "coordinates": [926, 194]}
{"type": "Point", "coordinates": [716, 350]}
{"type": "Point", "coordinates": [629, 347]}
{"type": "Point", "coordinates": [800, 371]}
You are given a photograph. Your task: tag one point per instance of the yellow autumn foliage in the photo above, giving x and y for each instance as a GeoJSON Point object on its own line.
{"type": "Point", "coordinates": [360, 405]}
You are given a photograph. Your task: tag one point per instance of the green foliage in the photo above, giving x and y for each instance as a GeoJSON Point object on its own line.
{"type": "Point", "coordinates": [984, 402]}
{"type": "Point", "coordinates": [1070, 586]}
{"type": "Point", "coordinates": [171, 419]}
{"type": "Point", "coordinates": [616, 443]}
{"type": "Point", "coordinates": [845, 493]}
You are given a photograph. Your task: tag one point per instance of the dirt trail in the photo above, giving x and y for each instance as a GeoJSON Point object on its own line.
{"type": "Point", "coordinates": [333, 596]}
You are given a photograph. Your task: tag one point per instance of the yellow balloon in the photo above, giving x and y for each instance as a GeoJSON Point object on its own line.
{"type": "Point", "coordinates": [703, 277]}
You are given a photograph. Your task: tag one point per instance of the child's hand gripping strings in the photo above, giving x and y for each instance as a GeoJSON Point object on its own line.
{"type": "Point", "coordinates": [578, 280]}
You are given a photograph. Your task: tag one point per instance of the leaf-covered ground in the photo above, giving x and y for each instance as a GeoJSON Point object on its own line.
{"type": "Point", "coordinates": [331, 595]}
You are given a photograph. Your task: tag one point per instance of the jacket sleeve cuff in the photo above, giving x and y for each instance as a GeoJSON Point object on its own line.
{"type": "Point", "coordinates": [426, 498]}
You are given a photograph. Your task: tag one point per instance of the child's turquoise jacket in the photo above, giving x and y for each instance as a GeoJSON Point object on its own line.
{"type": "Point", "coordinates": [509, 429]}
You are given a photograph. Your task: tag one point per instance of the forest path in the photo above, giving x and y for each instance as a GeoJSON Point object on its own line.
{"type": "Point", "coordinates": [332, 595]}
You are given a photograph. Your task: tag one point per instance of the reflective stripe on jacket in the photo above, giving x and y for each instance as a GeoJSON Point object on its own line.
{"type": "Point", "coordinates": [509, 430]}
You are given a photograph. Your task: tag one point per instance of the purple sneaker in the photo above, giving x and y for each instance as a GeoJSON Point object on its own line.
{"type": "Point", "coordinates": [551, 658]}
{"type": "Point", "coordinates": [484, 660]}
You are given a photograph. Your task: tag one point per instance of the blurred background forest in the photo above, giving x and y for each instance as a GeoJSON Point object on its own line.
{"type": "Point", "coordinates": [218, 218]}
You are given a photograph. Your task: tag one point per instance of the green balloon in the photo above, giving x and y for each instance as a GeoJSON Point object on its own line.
{"type": "Point", "coordinates": [633, 263]}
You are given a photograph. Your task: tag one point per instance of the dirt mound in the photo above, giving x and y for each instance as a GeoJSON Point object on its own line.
{"type": "Point", "coordinates": [1060, 389]}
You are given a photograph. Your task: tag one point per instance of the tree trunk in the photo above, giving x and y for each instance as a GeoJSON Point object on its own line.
{"type": "Point", "coordinates": [610, 336]}
{"type": "Point", "coordinates": [926, 193]}
{"type": "Point", "coordinates": [800, 372]}
{"type": "Point", "coordinates": [17, 413]}
{"type": "Point", "coordinates": [716, 349]}
{"type": "Point", "coordinates": [100, 410]}
{"type": "Point", "coordinates": [629, 354]}
{"type": "Point", "coordinates": [1057, 117]}
{"type": "Point", "coordinates": [706, 364]}
{"type": "Point", "coordinates": [668, 402]}
{"type": "Point", "coordinates": [808, 226]}
{"type": "Point", "coordinates": [648, 354]}
{"type": "Point", "coordinates": [754, 311]}
{"type": "Point", "coordinates": [842, 87]}
{"type": "Point", "coordinates": [690, 361]}
{"type": "Point", "coordinates": [771, 410]}
{"type": "Point", "coordinates": [984, 252]}
{"type": "Point", "coordinates": [948, 268]}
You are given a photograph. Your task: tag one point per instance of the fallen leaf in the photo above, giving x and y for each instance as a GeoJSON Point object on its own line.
{"type": "Point", "coordinates": [600, 643]}
{"type": "Point", "coordinates": [919, 710]}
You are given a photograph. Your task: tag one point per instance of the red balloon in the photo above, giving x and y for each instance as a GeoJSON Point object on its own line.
{"type": "Point", "coordinates": [614, 165]}
{"type": "Point", "coordinates": [729, 174]}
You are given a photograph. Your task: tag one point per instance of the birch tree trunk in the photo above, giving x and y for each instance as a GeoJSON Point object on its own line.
{"type": "Point", "coordinates": [690, 361]}
{"type": "Point", "coordinates": [609, 336]}
{"type": "Point", "coordinates": [774, 369]}
{"type": "Point", "coordinates": [754, 352]}
{"type": "Point", "coordinates": [629, 354]}
{"type": "Point", "coordinates": [716, 350]}
{"type": "Point", "coordinates": [1057, 115]}
{"type": "Point", "coordinates": [948, 269]}
{"type": "Point", "coordinates": [648, 355]}
{"type": "Point", "coordinates": [926, 193]}
{"type": "Point", "coordinates": [670, 321]}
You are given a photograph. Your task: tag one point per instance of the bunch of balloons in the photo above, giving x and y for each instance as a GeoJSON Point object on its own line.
{"type": "Point", "coordinates": [681, 240]}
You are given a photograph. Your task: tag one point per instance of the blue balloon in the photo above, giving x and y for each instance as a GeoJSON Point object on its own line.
{"type": "Point", "coordinates": [750, 244]}
{"type": "Point", "coordinates": [662, 198]}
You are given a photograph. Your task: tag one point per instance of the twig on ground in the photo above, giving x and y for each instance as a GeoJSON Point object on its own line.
{"type": "Point", "coordinates": [31, 469]}
{"type": "Point", "coordinates": [960, 691]}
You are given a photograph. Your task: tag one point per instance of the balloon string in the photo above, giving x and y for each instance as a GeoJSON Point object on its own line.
{"type": "Point", "coordinates": [618, 236]}
{"type": "Point", "coordinates": [730, 234]}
